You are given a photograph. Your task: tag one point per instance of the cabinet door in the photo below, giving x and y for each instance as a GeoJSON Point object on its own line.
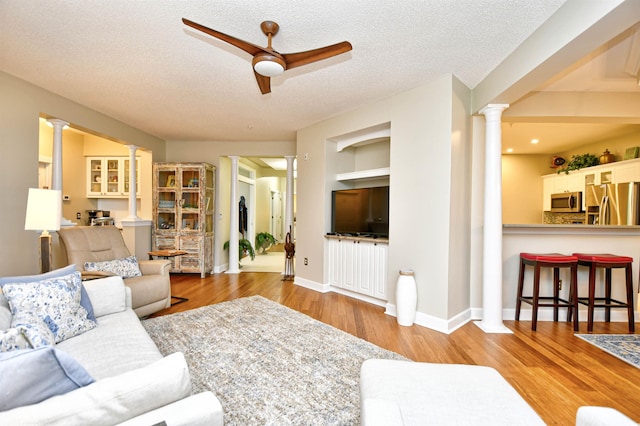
{"type": "Point", "coordinates": [111, 186]}
{"type": "Point", "coordinates": [191, 261]}
{"type": "Point", "coordinates": [165, 203]}
{"type": "Point", "coordinates": [380, 270]}
{"type": "Point", "coordinates": [335, 262]}
{"type": "Point", "coordinates": [95, 177]}
{"type": "Point", "coordinates": [547, 190]}
{"type": "Point", "coordinates": [627, 173]}
{"type": "Point", "coordinates": [366, 258]}
{"type": "Point", "coordinates": [349, 256]}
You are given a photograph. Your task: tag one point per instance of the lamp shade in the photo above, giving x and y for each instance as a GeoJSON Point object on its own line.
{"type": "Point", "coordinates": [44, 210]}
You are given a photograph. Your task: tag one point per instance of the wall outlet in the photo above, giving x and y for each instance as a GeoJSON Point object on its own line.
{"type": "Point", "coordinates": [560, 285]}
{"type": "Point", "coordinates": [78, 216]}
{"type": "Point", "coordinates": [306, 261]}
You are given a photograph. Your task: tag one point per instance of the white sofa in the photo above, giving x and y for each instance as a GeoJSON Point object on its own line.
{"type": "Point", "coordinates": [134, 384]}
{"type": "Point", "coordinates": [395, 393]}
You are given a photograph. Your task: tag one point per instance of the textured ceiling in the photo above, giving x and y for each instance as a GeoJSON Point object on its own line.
{"type": "Point", "coordinates": [136, 62]}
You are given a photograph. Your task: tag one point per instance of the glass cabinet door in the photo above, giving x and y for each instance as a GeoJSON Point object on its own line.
{"type": "Point", "coordinates": [95, 176]}
{"type": "Point", "coordinates": [113, 170]}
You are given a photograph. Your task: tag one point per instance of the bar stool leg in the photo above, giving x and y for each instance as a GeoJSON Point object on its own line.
{"type": "Point", "coordinates": [607, 294]}
{"type": "Point", "coordinates": [630, 312]}
{"type": "Point", "coordinates": [556, 292]}
{"type": "Point", "coordinates": [520, 286]}
{"type": "Point", "coordinates": [573, 298]}
{"type": "Point", "coordinates": [592, 296]}
{"type": "Point", "coordinates": [536, 294]}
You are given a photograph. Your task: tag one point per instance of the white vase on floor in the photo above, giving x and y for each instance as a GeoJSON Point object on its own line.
{"type": "Point", "coordinates": [406, 298]}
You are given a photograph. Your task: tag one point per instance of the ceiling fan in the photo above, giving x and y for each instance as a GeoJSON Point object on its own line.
{"type": "Point", "coordinates": [267, 62]}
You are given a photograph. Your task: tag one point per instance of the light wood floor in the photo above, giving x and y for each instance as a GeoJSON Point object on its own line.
{"type": "Point", "coordinates": [552, 369]}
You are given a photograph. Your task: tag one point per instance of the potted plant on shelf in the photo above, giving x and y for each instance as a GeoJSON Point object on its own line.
{"type": "Point", "coordinates": [579, 162]}
{"type": "Point", "coordinates": [264, 240]}
{"type": "Point", "coordinates": [244, 247]}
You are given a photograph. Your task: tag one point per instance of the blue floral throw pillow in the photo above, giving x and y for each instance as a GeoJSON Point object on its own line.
{"type": "Point", "coordinates": [126, 267]}
{"type": "Point", "coordinates": [55, 302]}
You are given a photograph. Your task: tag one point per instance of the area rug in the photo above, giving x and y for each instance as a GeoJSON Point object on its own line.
{"type": "Point", "coordinates": [268, 364]}
{"type": "Point", "coordinates": [623, 346]}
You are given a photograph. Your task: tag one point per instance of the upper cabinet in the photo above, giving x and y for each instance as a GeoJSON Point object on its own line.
{"type": "Point", "coordinates": [574, 181]}
{"type": "Point", "coordinates": [108, 177]}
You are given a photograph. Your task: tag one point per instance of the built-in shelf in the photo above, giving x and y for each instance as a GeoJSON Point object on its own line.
{"type": "Point", "coordinates": [364, 174]}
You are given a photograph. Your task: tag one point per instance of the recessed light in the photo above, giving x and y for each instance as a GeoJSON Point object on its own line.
{"type": "Point", "coordinates": [534, 141]}
{"type": "Point", "coordinates": [509, 150]}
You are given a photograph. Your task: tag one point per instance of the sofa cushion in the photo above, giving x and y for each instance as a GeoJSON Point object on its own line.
{"type": "Point", "coordinates": [56, 301]}
{"type": "Point", "coordinates": [126, 267]}
{"type": "Point", "coordinates": [108, 295]}
{"type": "Point", "coordinates": [118, 344]}
{"type": "Point", "coordinates": [33, 375]}
{"type": "Point", "coordinates": [112, 400]}
{"type": "Point", "coordinates": [84, 298]}
{"type": "Point", "coordinates": [5, 314]}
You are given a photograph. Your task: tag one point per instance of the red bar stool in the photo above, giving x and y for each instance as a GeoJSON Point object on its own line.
{"type": "Point", "coordinates": [608, 262]}
{"type": "Point", "coordinates": [555, 261]}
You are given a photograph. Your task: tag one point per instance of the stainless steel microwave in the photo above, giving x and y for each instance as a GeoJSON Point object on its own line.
{"type": "Point", "coordinates": [566, 202]}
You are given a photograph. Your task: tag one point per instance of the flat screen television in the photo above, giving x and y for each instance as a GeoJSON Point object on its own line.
{"type": "Point", "coordinates": [361, 211]}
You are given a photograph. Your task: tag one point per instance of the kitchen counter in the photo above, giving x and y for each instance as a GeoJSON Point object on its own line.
{"type": "Point", "coordinates": [570, 229]}
{"type": "Point", "coordinates": [565, 239]}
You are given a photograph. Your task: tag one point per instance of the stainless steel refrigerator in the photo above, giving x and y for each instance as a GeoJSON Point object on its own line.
{"type": "Point", "coordinates": [613, 204]}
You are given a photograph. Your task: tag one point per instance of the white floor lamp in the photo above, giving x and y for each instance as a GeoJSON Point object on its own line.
{"type": "Point", "coordinates": [44, 212]}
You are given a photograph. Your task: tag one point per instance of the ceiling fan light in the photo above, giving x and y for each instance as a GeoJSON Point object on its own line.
{"type": "Point", "coordinates": [268, 66]}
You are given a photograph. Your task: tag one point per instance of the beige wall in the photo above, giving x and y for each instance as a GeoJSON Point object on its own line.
{"type": "Point", "coordinates": [21, 105]}
{"type": "Point", "coordinates": [429, 145]}
{"type": "Point", "coordinates": [522, 187]}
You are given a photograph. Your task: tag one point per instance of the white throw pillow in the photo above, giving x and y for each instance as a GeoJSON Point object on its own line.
{"type": "Point", "coordinates": [112, 400]}
{"type": "Point", "coordinates": [56, 301]}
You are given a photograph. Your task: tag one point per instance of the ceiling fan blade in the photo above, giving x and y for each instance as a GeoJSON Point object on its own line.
{"type": "Point", "coordinates": [302, 58]}
{"type": "Point", "coordinates": [250, 48]}
{"type": "Point", "coordinates": [264, 83]}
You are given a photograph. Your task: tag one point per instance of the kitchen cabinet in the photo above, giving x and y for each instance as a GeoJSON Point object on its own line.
{"type": "Point", "coordinates": [619, 172]}
{"type": "Point", "coordinates": [557, 183]}
{"type": "Point", "coordinates": [359, 265]}
{"type": "Point", "coordinates": [183, 206]}
{"type": "Point", "coordinates": [108, 177]}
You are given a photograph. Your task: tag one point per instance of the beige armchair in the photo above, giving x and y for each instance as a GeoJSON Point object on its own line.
{"type": "Point", "coordinates": [150, 292]}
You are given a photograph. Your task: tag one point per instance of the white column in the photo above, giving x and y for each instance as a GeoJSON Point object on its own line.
{"type": "Point", "coordinates": [492, 242]}
{"type": "Point", "coordinates": [288, 217]}
{"type": "Point", "coordinates": [133, 184]}
{"type": "Point", "coordinates": [56, 178]}
{"type": "Point", "coordinates": [234, 222]}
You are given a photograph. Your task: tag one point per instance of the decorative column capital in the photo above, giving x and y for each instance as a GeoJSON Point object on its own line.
{"type": "Point", "coordinates": [132, 148]}
{"type": "Point", "coordinates": [57, 123]}
{"type": "Point", "coordinates": [492, 111]}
